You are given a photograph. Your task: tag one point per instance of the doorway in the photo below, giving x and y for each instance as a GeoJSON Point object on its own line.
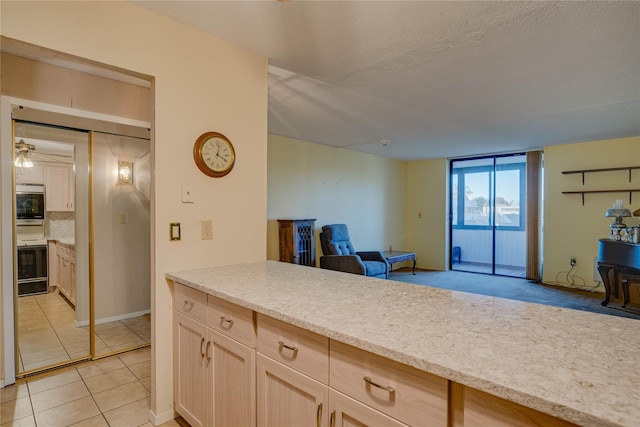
{"type": "Point", "coordinates": [95, 173]}
{"type": "Point", "coordinates": [488, 215]}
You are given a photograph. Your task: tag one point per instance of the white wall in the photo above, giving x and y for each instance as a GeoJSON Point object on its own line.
{"type": "Point", "coordinates": [200, 83]}
{"type": "Point", "coordinates": [427, 212]}
{"type": "Point", "coordinates": [366, 192]}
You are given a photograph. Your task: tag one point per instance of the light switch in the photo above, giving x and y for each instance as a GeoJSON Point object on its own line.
{"type": "Point", "coordinates": [174, 231]}
{"type": "Point", "coordinates": [123, 218]}
{"type": "Point", "coordinates": [187, 193]}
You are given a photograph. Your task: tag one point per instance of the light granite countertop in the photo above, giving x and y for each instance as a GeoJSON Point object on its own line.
{"type": "Point", "coordinates": [579, 366]}
{"type": "Point", "coordinates": [69, 241]}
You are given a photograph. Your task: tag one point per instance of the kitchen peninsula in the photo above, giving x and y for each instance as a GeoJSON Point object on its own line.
{"type": "Point", "coordinates": [475, 359]}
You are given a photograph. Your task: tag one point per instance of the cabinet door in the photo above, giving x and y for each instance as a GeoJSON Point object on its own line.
{"type": "Point", "coordinates": [346, 412]}
{"type": "Point", "coordinates": [72, 281]}
{"type": "Point", "coordinates": [287, 398]}
{"type": "Point", "coordinates": [232, 387]}
{"type": "Point", "coordinates": [53, 264]}
{"type": "Point", "coordinates": [56, 182]}
{"type": "Point", "coordinates": [189, 365]}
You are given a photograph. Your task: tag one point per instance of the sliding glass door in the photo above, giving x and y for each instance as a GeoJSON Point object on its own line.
{"type": "Point", "coordinates": [488, 215]}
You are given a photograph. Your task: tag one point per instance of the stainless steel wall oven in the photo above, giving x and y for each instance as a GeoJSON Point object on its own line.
{"type": "Point", "coordinates": [32, 269]}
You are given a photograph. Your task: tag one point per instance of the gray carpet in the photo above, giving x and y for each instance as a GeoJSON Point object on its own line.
{"type": "Point", "coordinates": [517, 289]}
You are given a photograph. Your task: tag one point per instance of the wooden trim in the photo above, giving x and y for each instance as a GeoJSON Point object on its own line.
{"type": "Point", "coordinates": [456, 405]}
{"type": "Point", "coordinates": [534, 163]}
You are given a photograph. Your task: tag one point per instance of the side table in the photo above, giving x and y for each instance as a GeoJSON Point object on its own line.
{"type": "Point", "coordinates": [399, 256]}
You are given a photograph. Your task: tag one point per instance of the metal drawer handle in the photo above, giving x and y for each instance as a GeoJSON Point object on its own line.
{"type": "Point", "coordinates": [319, 415]}
{"type": "Point", "coordinates": [224, 319]}
{"type": "Point", "coordinates": [332, 419]}
{"type": "Point", "coordinates": [201, 352]}
{"type": "Point", "coordinates": [208, 345]}
{"type": "Point", "coordinates": [373, 383]}
{"type": "Point", "coordinates": [293, 349]}
{"type": "Point", "coordinates": [188, 305]}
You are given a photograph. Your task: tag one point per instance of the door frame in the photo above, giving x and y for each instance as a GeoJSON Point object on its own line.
{"type": "Point", "coordinates": [7, 266]}
{"type": "Point", "coordinates": [491, 201]}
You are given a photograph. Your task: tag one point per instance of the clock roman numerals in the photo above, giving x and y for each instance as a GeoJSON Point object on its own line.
{"type": "Point", "coordinates": [214, 154]}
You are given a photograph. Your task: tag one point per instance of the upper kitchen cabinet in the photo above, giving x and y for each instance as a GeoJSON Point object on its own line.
{"type": "Point", "coordinates": [59, 184]}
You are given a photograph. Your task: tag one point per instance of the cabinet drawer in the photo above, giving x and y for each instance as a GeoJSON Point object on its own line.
{"type": "Point", "coordinates": [231, 320]}
{"type": "Point", "coordinates": [402, 392]}
{"type": "Point", "coordinates": [295, 347]}
{"type": "Point", "coordinates": [190, 302]}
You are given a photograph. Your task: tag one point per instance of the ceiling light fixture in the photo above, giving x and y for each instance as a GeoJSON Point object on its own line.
{"type": "Point", "coordinates": [22, 154]}
{"type": "Point", "coordinates": [385, 142]}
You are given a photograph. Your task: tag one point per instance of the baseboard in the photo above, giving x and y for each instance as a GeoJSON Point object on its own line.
{"type": "Point", "coordinates": [113, 318]}
{"type": "Point", "coordinates": [156, 420]}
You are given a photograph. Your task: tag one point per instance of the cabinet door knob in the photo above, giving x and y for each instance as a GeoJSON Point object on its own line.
{"type": "Point", "coordinates": [207, 351]}
{"type": "Point", "coordinates": [388, 388]}
{"type": "Point", "coordinates": [188, 305]}
{"type": "Point", "coordinates": [226, 323]}
{"type": "Point", "coordinates": [201, 343]}
{"type": "Point", "coordinates": [288, 347]}
{"type": "Point", "coordinates": [332, 419]}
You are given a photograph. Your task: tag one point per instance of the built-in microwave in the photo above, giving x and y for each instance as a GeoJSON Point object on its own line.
{"type": "Point", "coordinates": [30, 207]}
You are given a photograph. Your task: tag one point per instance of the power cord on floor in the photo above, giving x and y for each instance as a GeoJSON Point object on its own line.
{"type": "Point", "coordinates": [574, 281]}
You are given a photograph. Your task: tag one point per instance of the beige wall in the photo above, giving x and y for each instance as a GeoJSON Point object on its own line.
{"type": "Point", "coordinates": [571, 229]}
{"type": "Point", "coordinates": [334, 185]}
{"type": "Point", "coordinates": [200, 84]}
{"type": "Point", "coordinates": [427, 222]}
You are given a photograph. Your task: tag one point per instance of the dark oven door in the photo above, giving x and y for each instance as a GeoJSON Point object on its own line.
{"type": "Point", "coordinates": [32, 262]}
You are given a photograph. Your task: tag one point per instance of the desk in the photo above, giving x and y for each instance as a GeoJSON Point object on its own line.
{"type": "Point", "coordinates": [621, 257]}
{"type": "Point", "coordinates": [399, 256]}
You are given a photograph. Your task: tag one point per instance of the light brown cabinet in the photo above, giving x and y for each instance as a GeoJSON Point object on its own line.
{"type": "Point", "coordinates": [287, 397]}
{"type": "Point", "coordinates": [65, 272]}
{"type": "Point", "coordinates": [214, 374]}
{"type": "Point", "coordinates": [347, 412]}
{"type": "Point", "coordinates": [297, 239]}
{"type": "Point", "coordinates": [59, 184]}
{"type": "Point", "coordinates": [236, 367]}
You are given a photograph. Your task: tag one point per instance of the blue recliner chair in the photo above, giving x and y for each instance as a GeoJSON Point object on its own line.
{"type": "Point", "coordinates": [340, 255]}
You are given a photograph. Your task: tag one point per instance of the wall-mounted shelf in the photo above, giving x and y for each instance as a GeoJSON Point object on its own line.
{"type": "Point", "coordinates": [583, 171]}
{"type": "Point", "coordinates": [626, 190]}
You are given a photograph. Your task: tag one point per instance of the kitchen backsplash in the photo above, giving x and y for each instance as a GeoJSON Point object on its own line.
{"type": "Point", "coordinates": [60, 224]}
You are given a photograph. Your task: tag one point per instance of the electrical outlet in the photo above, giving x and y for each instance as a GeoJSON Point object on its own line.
{"type": "Point", "coordinates": [206, 230]}
{"type": "Point", "coordinates": [573, 261]}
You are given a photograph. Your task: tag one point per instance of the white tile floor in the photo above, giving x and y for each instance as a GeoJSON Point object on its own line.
{"type": "Point", "coordinates": [114, 391]}
{"type": "Point", "coordinates": [48, 335]}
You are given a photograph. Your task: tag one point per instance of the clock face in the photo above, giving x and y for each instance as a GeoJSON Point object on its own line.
{"type": "Point", "coordinates": [214, 154]}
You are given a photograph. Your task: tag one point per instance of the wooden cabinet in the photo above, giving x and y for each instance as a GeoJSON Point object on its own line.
{"type": "Point", "coordinates": [59, 184]}
{"type": "Point", "coordinates": [66, 272]}
{"type": "Point", "coordinates": [227, 374]}
{"type": "Point", "coordinates": [288, 398]}
{"type": "Point", "coordinates": [404, 393]}
{"type": "Point", "coordinates": [214, 375]}
{"type": "Point", "coordinates": [297, 239]}
{"type": "Point", "coordinates": [474, 408]}
{"type": "Point", "coordinates": [189, 363]}
{"type": "Point", "coordinates": [52, 254]}
{"type": "Point", "coordinates": [347, 412]}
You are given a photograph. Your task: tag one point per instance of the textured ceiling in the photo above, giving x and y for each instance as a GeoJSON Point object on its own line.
{"type": "Point", "coordinates": [438, 79]}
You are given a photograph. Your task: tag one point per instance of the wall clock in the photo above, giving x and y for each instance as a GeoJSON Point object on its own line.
{"type": "Point", "coordinates": [214, 154]}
